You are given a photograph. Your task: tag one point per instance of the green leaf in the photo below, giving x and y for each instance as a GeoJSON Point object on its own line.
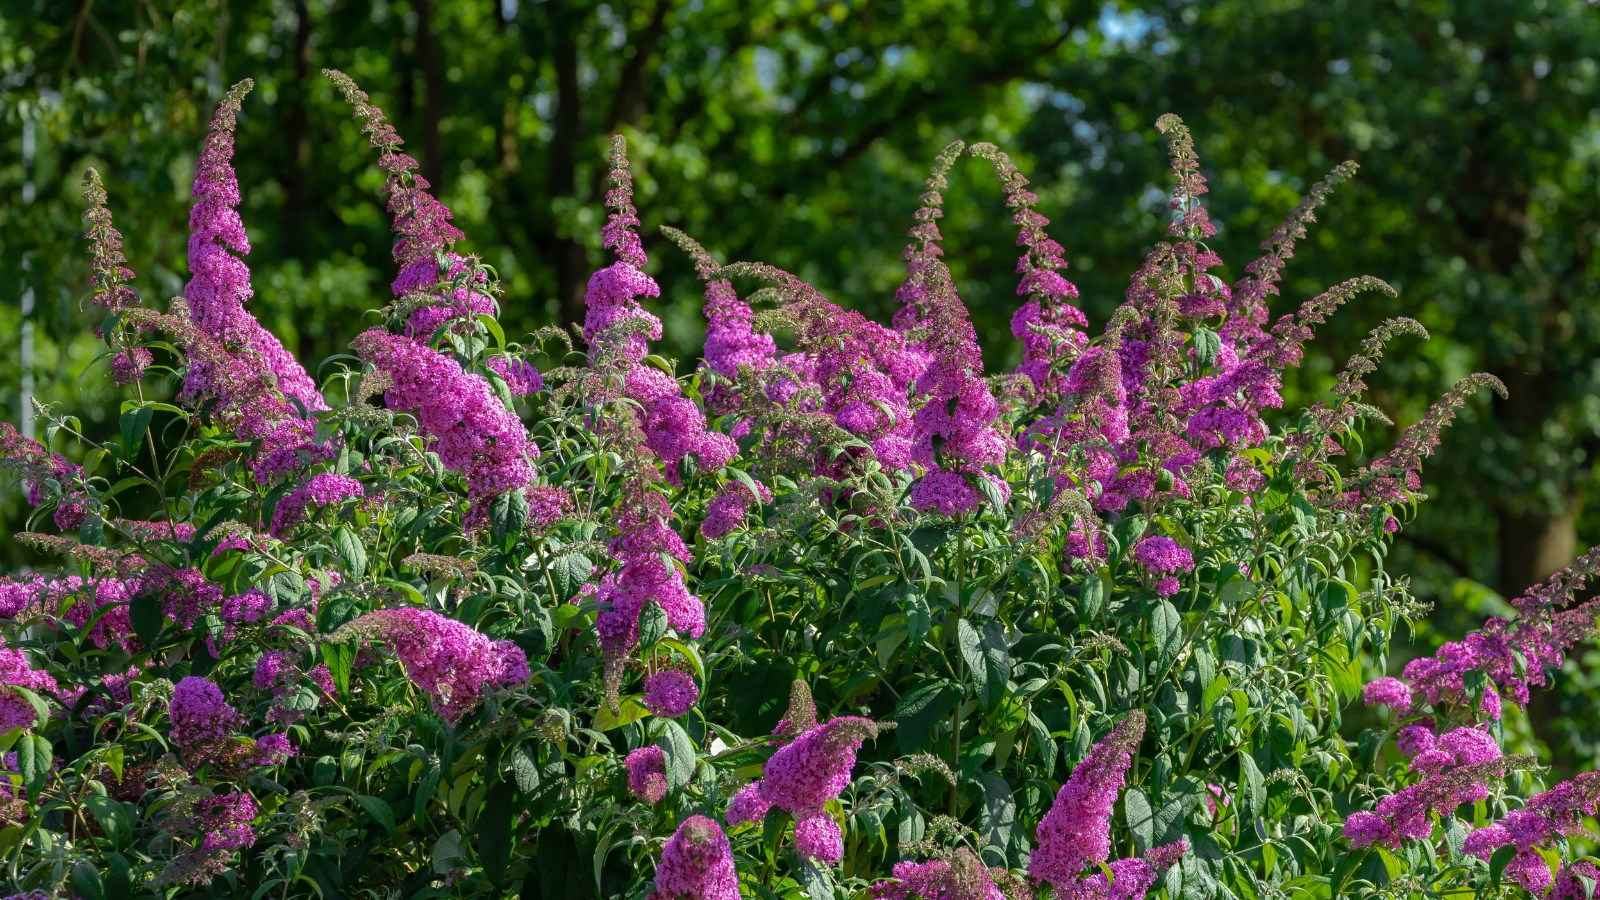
{"type": "Point", "coordinates": [563, 874]}
{"type": "Point", "coordinates": [919, 618]}
{"type": "Point", "coordinates": [1166, 628]}
{"type": "Point", "coordinates": [816, 879]}
{"type": "Point", "coordinates": [570, 572]}
{"type": "Point", "coordinates": [1207, 344]}
{"type": "Point", "coordinates": [379, 810]}
{"type": "Point", "coordinates": [93, 531]}
{"type": "Point", "coordinates": [494, 833]}
{"type": "Point", "coordinates": [999, 812]}
{"type": "Point", "coordinates": [92, 460]}
{"type": "Point", "coordinates": [350, 551]}
{"type": "Point", "coordinates": [652, 625]}
{"type": "Point", "coordinates": [339, 659]}
{"type": "Point", "coordinates": [917, 713]}
{"type": "Point", "coordinates": [1455, 837]}
{"type": "Point", "coordinates": [494, 329]}
{"type": "Point", "coordinates": [972, 652]}
{"type": "Point", "coordinates": [113, 819]}
{"type": "Point", "coordinates": [675, 743]}
{"type": "Point", "coordinates": [134, 423]}
{"type": "Point", "coordinates": [425, 789]}
{"type": "Point", "coordinates": [525, 767]}
{"type": "Point", "coordinates": [1252, 788]}
{"type": "Point", "coordinates": [446, 850]}
{"type": "Point", "coordinates": [1276, 493]}
{"type": "Point", "coordinates": [118, 876]}
{"type": "Point", "coordinates": [87, 882]}
{"type": "Point", "coordinates": [1141, 819]}
{"type": "Point", "coordinates": [41, 710]}
{"type": "Point", "coordinates": [991, 493]}
{"type": "Point", "coordinates": [988, 659]}
{"type": "Point", "coordinates": [1499, 861]}
{"type": "Point", "coordinates": [1091, 598]}
{"type": "Point", "coordinates": [1216, 690]}
{"type": "Point", "coordinates": [1129, 530]}
{"type": "Point", "coordinates": [34, 759]}
{"type": "Point", "coordinates": [1182, 797]}
{"type": "Point", "coordinates": [629, 711]}
{"type": "Point", "coordinates": [507, 516]}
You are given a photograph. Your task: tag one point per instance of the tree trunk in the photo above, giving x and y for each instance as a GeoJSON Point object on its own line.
{"type": "Point", "coordinates": [1533, 545]}
{"type": "Point", "coordinates": [297, 137]}
{"type": "Point", "coordinates": [429, 59]}
{"type": "Point", "coordinates": [571, 261]}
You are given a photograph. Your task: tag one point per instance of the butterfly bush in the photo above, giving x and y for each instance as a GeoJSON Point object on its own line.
{"type": "Point", "coordinates": [840, 609]}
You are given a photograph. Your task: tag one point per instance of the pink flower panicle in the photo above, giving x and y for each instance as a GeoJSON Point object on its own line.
{"type": "Point", "coordinates": [548, 505]}
{"type": "Point", "coordinates": [200, 714]}
{"type": "Point", "coordinates": [727, 511]}
{"type": "Point", "coordinates": [1163, 556]}
{"type": "Point", "coordinates": [1539, 823]}
{"type": "Point", "coordinates": [109, 283]}
{"type": "Point", "coordinates": [748, 805]}
{"type": "Point", "coordinates": [1131, 878]}
{"type": "Point", "coordinates": [435, 293]}
{"type": "Point", "coordinates": [1048, 325]}
{"type": "Point", "coordinates": [1514, 655]}
{"type": "Point", "coordinates": [190, 596]}
{"type": "Point", "coordinates": [954, 436]}
{"type": "Point", "coordinates": [646, 545]}
{"type": "Point", "coordinates": [801, 716]}
{"type": "Point", "coordinates": [1390, 692]}
{"type": "Point", "coordinates": [647, 773]}
{"type": "Point", "coordinates": [863, 371]}
{"type": "Point", "coordinates": [911, 319]}
{"type": "Point", "coordinates": [962, 877]}
{"type": "Point", "coordinates": [47, 476]}
{"type": "Point", "coordinates": [731, 341]}
{"type": "Point", "coordinates": [15, 672]}
{"type": "Point", "coordinates": [670, 693]}
{"type": "Point", "coordinates": [470, 428]}
{"type": "Point", "coordinates": [619, 331]}
{"type": "Point", "coordinates": [1076, 832]}
{"type": "Point", "coordinates": [219, 281]}
{"type": "Point", "coordinates": [450, 661]}
{"type": "Point", "coordinates": [1407, 814]}
{"type": "Point", "coordinates": [224, 823]}
{"type": "Point", "coordinates": [697, 864]}
{"type": "Point", "coordinates": [320, 490]}
{"type": "Point", "coordinates": [520, 376]}
{"type": "Point", "coordinates": [805, 774]}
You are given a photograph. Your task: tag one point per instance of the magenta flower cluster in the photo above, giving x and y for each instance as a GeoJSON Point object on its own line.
{"type": "Point", "coordinates": [645, 545]}
{"type": "Point", "coordinates": [1540, 823]}
{"type": "Point", "coordinates": [697, 864]}
{"type": "Point", "coordinates": [937, 879]}
{"type": "Point", "coordinates": [1458, 767]}
{"type": "Point", "coordinates": [1076, 833]}
{"type": "Point", "coordinates": [449, 660]}
{"type": "Point", "coordinates": [471, 430]}
{"type": "Point", "coordinates": [1514, 655]}
{"type": "Point", "coordinates": [620, 329]}
{"type": "Point", "coordinates": [670, 693]}
{"type": "Point", "coordinates": [647, 773]}
{"type": "Point", "coordinates": [801, 778]}
{"type": "Point", "coordinates": [321, 489]}
{"type": "Point", "coordinates": [200, 714]}
{"type": "Point", "coordinates": [1163, 556]}
{"type": "Point", "coordinates": [15, 672]}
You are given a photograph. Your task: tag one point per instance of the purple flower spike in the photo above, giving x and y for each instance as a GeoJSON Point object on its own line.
{"type": "Point", "coordinates": [697, 864]}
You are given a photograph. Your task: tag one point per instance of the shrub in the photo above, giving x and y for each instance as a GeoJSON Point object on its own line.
{"type": "Point", "coordinates": [846, 617]}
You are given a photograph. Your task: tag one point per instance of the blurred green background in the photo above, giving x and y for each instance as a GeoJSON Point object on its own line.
{"type": "Point", "coordinates": [799, 133]}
